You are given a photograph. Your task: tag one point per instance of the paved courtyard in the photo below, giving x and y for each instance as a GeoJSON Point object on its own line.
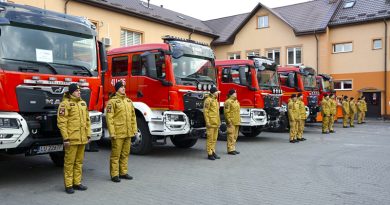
{"type": "Point", "coordinates": [349, 167]}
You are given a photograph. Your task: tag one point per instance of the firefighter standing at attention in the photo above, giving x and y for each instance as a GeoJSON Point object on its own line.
{"type": "Point", "coordinates": [346, 111]}
{"type": "Point", "coordinates": [122, 126]}
{"type": "Point", "coordinates": [233, 120]}
{"type": "Point", "coordinates": [75, 126]}
{"type": "Point", "coordinates": [326, 114]}
{"type": "Point", "coordinates": [293, 117]}
{"type": "Point", "coordinates": [333, 112]}
{"type": "Point", "coordinates": [302, 117]}
{"type": "Point", "coordinates": [213, 121]}
{"type": "Point", "coordinates": [352, 111]}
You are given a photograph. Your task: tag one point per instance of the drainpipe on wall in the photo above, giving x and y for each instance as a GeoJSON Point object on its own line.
{"type": "Point", "coordinates": [385, 115]}
{"type": "Point", "coordinates": [66, 6]}
{"type": "Point", "coordinates": [315, 35]}
{"type": "Point", "coordinates": [189, 36]}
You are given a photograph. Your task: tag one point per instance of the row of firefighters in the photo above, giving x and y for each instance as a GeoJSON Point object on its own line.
{"type": "Point", "coordinates": [74, 124]}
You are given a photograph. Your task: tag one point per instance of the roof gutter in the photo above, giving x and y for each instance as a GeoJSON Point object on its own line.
{"type": "Point", "coordinates": [385, 62]}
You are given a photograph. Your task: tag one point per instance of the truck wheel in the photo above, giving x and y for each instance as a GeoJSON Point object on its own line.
{"type": "Point", "coordinates": [255, 131]}
{"type": "Point", "coordinates": [222, 132]}
{"type": "Point", "coordinates": [57, 158]}
{"type": "Point", "coordinates": [142, 144]}
{"type": "Point", "coordinates": [183, 143]}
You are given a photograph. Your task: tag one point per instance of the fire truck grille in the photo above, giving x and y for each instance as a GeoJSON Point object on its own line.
{"type": "Point", "coordinates": [271, 101]}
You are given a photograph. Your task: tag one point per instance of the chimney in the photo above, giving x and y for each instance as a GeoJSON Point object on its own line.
{"type": "Point", "coordinates": [332, 1]}
{"type": "Point", "coordinates": [148, 3]}
{"type": "Point", "coordinates": [162, 6]}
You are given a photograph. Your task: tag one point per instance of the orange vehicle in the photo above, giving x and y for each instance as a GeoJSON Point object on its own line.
{"type": "Point", "coordinates": [167, 83]}
{"type": "Point", "coordinates": [41, 54]}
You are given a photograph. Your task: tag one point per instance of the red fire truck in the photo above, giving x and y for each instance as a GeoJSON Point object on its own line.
{"type": "Point", "coordinates": [300, 80]}
{"type": "Point", "coordinates": [241, 76]}
{"type": "Point", "coordinates": [167, 83]}
{"type": "Point", "coordinates": [41, 53]}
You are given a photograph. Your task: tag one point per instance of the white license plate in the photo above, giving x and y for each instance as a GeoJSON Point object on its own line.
{"type": "Point", "coordinates": [50, 148]}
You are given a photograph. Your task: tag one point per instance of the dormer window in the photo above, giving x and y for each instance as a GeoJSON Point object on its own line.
{"type": "Point", "coordinates": [349, 4]}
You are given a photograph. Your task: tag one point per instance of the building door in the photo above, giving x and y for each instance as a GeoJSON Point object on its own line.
{"type": "Point", "coordinates": [373, 100]}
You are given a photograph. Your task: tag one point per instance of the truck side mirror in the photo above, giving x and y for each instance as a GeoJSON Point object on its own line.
{"type": "Point", "coordinates": [103, 57]}
{"type": "Point", "coordinates": [291, 80]}
{"type": "Point", "coordinates": [149, 61]}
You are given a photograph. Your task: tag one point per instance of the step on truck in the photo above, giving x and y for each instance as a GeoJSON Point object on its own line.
{"type": "Point", "coordinates": [241, 76]}
{"type": "Point", "coordinates": [167, 83]}
{"type": "Point", "coordinates": [299, 79]}
{"type": "Point", "coordinates": [42, 52]}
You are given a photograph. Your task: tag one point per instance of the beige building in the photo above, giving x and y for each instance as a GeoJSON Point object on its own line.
{"type": "Point", "coordinates": [344, 38]}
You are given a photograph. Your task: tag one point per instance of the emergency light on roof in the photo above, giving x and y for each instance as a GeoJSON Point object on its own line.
{"type": "Point", "coordinates": [175, 38]}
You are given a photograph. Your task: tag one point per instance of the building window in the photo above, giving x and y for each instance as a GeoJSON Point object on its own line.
{"type": "Point", "coordinates": [262, 22]}
{"type": "Point", "coordinates": [294, 56]}
{"type": "Point", "coordinates": [130, 38]}
{"type": "Point", "coordinates": [274, 55]}
{"type": "Point", "coordinates": [120, 66]}
{"type": "Point", "coordinates": [377, 44]}
{"type": "Point", "coordinates": [342, 47]}
{"type": "Point", "coordinates": [349, 4]}
{"type": "Point", "coordinates": [253, 53]}
{"type": "Point", "coordinates": [233, 56]}
{"type": "Point", "coordinates": [343, 85]}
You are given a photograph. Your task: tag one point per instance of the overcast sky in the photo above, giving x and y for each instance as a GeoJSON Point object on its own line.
{"type": "Point", "coordinates": [212, 9]}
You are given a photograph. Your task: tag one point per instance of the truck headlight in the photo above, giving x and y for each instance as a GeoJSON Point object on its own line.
{"type": "Point", "coordinates": [9, 123]}
{"type": "Point", "coordinates": [95, 119]}
{"type": "Point", "coordinates": [174, 118]}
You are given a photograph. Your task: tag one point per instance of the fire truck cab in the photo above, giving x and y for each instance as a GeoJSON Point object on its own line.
{"type": "Point", "coordinates": [42, 52]}
{"type": "Point", "coordinates": [167, 83]}
{"type": "Point", "coordinates": [241, 76]}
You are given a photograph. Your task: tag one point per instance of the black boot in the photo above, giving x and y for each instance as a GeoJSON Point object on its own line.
{"type": "Point", "coordinates": [332, 131]}
{"type": "Point", "coordinates": [292, 141]}
{"type": "Point", "coordinates": [237, 152]}
{"type": "Point", "coordinates": [80, 187]}
{"type": "Point", "coordinates": [232, 153]}
{"type": "Point", "coordinates": [210, 157]}
{"type": "Point", "coordinates": [216, 156]}
{"type": "Point", "coordinates": [69, 190]}
{"type": "Point", "coordinates": [303, 139]}
{"type": "Point", "coordinates": [126, 176]}
{"type": "Point", "coordinates": [115, 179]}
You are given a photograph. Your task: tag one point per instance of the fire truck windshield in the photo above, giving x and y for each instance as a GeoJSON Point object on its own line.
{"type": "Point", "coordinates": [60, 51]}
{"type": "Point", "coordinates": [309, 82]}
{"type": "Point", "coordinates": [267, 79]}
{"type": "Point", "coordinates": [327, 85]}
{"type": "Point", "coordinates": [193, 69]}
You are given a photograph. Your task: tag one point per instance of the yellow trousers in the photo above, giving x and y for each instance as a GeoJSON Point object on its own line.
{"type": "Point", "coordinates": [351, 119]}
{"type": "Point", "coordinates": [73, 165]}
{"type": "Point", "coordinates": [293, 129]}
{"type": "Point", "coordinates": [232, 135]}
{"type": "Point", "coordinates": [345, 120]}
{"type": "Point", "coordinates": [325, 123]}
{"type": "Point", "coordinates": [331, 123]}
{"type": "Point", "coordinates": [300, 128]}
{"type": "Point", "coordinates": [360, 117]}
{"type": "Point", "coordinates": [211, 142]}
{"type": "Point", "coordinates": [119, 156]}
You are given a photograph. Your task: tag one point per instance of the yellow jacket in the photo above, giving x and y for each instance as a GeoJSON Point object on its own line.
{"type": "Point", "coordinates": [232, 111]}
{"type": "Point", "coordinates": [292, 110]}
{"type": "Point", "coordinates": [301, 109]}
{"type": "Point", "coordinates": [360, 106]}
{"type": "Point", "coordinates": [120, 117]}
{"type": "Point", "coordinates": [333, 107]}
{"type": "Point", "coordinates": [352, 107]}
{"type": "Point", "coordinates": [325, 107]}
{"type": "Point", "coordinates": [211, 111]}
{"type": "Point", "coordinates": [73, 120]}
{"type": "Point", "coordinates": [346, 109]}
{"type": "Point", "coordinates": [364, 106]}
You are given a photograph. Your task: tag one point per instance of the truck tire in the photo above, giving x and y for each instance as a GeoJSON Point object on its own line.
{"type": "Point", "coordinates": [183, 143]}
{"type": "Point", "coordinates": [255, 131]}
{"type": "Point", "coordinates": [141, 145]}
{"type": "Point", "coordinates": [57, 158]}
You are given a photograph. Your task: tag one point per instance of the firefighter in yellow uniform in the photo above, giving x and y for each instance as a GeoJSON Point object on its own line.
{"type": "Point", "coordinates": [325, 111]}
{"type": "Point", "coordinates": [352, 111]}
{"type": "Point", "coordinates": [213, 121]}
{"type": "Point", "coordinates": [333, 112]}
{"type": "Point", "coordinates": [293, 117]}
{"type": "Point", "coordinates": [364, 109]}
{"type": "Point", "coordinates": [346, 111]}
{"type": "Point", "coordinates": [75, 127]}
{"type": "Point", "coordinates": [359, 106]}
{"type": "Point", "coordinates": [301, 117]}
{"type": "Point", "coordinates": [233, 120]}
{"type": "Point", "coordinates": [122, 126]}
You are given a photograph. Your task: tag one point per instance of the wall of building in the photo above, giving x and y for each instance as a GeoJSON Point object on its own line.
{"type": "Point", "coordinates": [110, 23]}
